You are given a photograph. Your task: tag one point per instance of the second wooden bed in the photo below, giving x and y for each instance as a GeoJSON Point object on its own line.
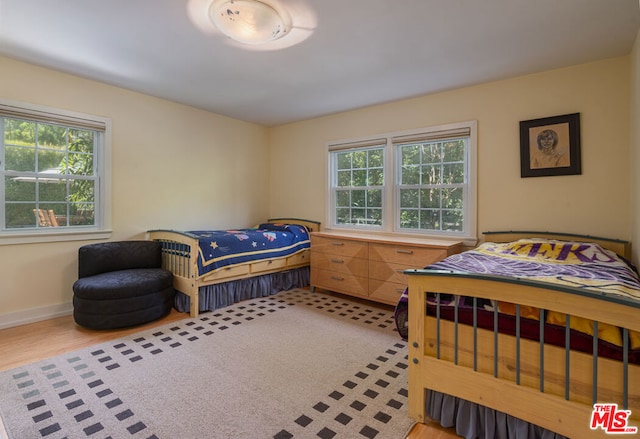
{"type": "Point", "coordinates": [181, 253]}
{"type": "Point", "coordinates": [552, 387]}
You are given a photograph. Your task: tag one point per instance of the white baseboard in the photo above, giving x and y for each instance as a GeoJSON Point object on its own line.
{"type": "Point", "coordinates": [35, 315]}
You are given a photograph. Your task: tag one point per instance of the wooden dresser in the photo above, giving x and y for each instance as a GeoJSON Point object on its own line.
{"type": "Point", "coordinates": [371, 266]}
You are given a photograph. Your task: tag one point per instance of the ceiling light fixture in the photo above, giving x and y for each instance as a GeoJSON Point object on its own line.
{"type": "Point", "coordinates": [247, 21]}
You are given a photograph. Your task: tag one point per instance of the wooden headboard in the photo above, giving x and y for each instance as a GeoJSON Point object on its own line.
{"type": "Point", "coordinates": [621, 247]}
{"type": "Point", "coordinates": [311, 225]}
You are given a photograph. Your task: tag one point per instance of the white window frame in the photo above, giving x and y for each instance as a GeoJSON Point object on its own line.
{"type": "Point", "coordinates": [355, 146]}
{"type": "Point", "coordinates": [102, 221]}
{"type": "Point", "coordinates": [391, 202]}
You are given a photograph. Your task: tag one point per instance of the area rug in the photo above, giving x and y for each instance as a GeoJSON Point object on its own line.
{"type": "Point", "coordinates": [293, 365]}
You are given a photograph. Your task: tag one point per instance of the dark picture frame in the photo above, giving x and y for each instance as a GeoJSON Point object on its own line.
{"type": "Point", "coordinates": [550, 146]}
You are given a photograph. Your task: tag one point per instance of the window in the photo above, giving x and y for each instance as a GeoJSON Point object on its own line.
{"type": "Point", "coordinates": [420, 181]}
{"type": "Point", "coordinates": [359, 185]}
{"type": "Point", "coordinates": [54, 180]}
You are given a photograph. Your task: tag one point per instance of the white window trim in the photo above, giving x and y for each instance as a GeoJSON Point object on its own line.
{"type": "Point", "coordinates": [469, 237]}
{"type": "Point", "coordinates": [102, 228]}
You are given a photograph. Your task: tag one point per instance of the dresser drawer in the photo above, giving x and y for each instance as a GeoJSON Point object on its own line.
{"type": "Point", "coordinates": [339, 264]}
{"type": "Point", "coordinates": [414, 257]}
{"type": "Point", "coordinates": [390, 272]}
{"type": "Point", "coordinates": [342, 283]}
{"type": "Point", "coordinates": [386, 292]}
{"type": "Point", "coordinates": [338, 246]}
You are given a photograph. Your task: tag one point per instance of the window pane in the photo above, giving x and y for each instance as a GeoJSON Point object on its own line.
{"type": "Point", "coordinates": [343, 198]}
{"type": "Point", "coordinates": [430, 219]}
{"type": "Point", "coordinates": [20, 158]}
{"type": "Point", "coordinates": [409, 219]}
{"type": "Point", "coordinates": [376, 177]}
{"type": "Point", "coordinates": [82, 191]}
{"type": "Point", "coordinates": [79, 164]}
{"type": "Point", "coordinates": [344, 178]}
{"type": "Point", "coordinates": [359, 216]}
{"type": "Point", "coordinates": [360, 177]}
{"type": "Point", "coordinates": [431, 153]}
{"type": "Point", "coordinates": [430, 198]}
{"type": "Point", "coordinates": [19, 132]}
{"type": "Point", "coordinates": [81, 141]}
{"type": "Point", "coordinates": [52, 136]}
{"type": "Point", "coordinates": [82, 214]}
{"type": "Point", "coordinates": [453, 151]}
{"type": "Point", "coordinates": [359, 159]}
{"type": "Point", "coordinates": [452, 198]}
{"type": "Point", "coordinates": [410, 175]}
{"type": "Point", "coordinates": [343, 216]}
{"type": "Point", "coordinates": [409, 198]}
{"type": "Point", "coordinates": [376, 158]}
{"type": "Point", "coordinates": [49, 161]}
{"type": "Point", "coordinates": [374, 217]}
{"type": "Point", "coordinates": [18, 189]}
{"type": "Point", "coordinates": [452, 220]}
{"type": "Point", "coordinates": [358, 198]}
{"type": "Point", "coordinates": [344, 160]}
{"type": "Point", "coordinates": [410, 155]}
{"type": "Point", "coordinates": [453, 173]}
{"type": "Point", "coordinates": [431, 174]}
{"type": "Point", "coordinates": [18, 216]}
{"type": "Point", "coordinates": [52, 190]}
{"type": "Point", "coordinates": [374, 198]}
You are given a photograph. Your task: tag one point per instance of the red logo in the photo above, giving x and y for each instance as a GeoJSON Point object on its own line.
{"type": "Point", "coordinates": [611, 420]}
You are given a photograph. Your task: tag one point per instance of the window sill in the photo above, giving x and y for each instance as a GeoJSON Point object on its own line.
{"type": "Point", "coordinates": [33, 237]}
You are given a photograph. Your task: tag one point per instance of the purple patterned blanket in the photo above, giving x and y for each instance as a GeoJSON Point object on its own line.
{"type": "Point", "coordinates": [581, 265]}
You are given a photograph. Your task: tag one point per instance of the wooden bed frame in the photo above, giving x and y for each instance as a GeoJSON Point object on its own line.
{"type": "Point", "coordinates": [557, 392]}
{"type": "Point", "coordinates": [180, 256]}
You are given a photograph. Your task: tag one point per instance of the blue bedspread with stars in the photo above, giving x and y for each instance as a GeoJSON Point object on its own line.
{"type": "Point", "coordinates": [221, 249]}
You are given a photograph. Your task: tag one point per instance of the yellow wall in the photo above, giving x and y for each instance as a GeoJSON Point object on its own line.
{"type": "Point", "coordinates": [173, 167]}
{"type": "Point", "coordinates": [596, 202]}
{"type": "Point", "coordinates": [635, 150]}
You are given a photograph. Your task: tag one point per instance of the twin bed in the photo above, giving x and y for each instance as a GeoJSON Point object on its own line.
{"type": "Point", "coordinates": [476, 361]}
{"type": "Point", "coordinates": [216, 268]}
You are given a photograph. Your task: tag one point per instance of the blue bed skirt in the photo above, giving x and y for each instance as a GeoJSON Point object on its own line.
{"type": "Point", "coordinates": [212, 297]}
{"type": "Point", "coordinates": [473, 421]}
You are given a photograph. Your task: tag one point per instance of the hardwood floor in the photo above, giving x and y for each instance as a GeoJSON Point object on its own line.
{"type": "Point", "coordinates": [36, 341]}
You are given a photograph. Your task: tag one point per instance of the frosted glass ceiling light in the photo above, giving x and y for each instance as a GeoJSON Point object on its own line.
{"type": "Point", "coordinates": [247, 21]}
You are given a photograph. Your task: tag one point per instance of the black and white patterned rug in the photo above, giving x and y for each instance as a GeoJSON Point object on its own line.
{"type": "Point", "coordinates": [293, 365]}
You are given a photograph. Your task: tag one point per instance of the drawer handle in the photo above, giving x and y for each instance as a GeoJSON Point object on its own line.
{"type": "Point", "coordinates": [337, 243]}
{"type": "Point", "coordinates": [337, 261]}
{"type": "Point", "coordinates": [407, 252]}
{"type": "Point", "coordinates": [337, 278]}
{"type": "Point", "coordinates": [400, 270]}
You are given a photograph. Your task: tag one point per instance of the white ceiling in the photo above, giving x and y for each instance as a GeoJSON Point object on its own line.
{"type": "Point", "coordinates": [340, 54]}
